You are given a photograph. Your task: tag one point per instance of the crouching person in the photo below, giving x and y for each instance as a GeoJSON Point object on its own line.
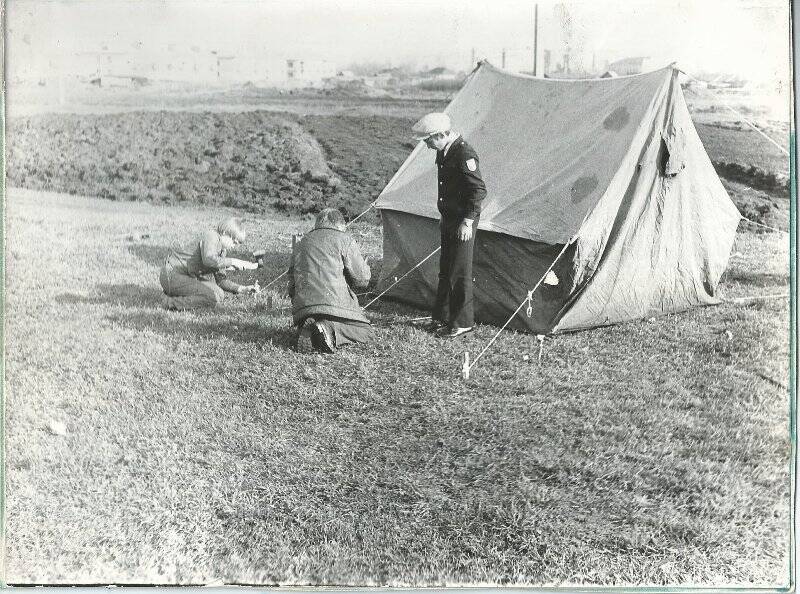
{"type": "Point", "coordinates": [195, 277]}
{"type": "Point", "coordinates": [324, 269]}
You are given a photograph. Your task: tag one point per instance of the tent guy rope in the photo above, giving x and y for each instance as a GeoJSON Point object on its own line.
{"type": "Point", "coordinates": [397, 280]}
{"type": "Point", "coordinates": [763, 225]}
{"type": "Point", "coordinates": [467, 366]}
{"type": "Point", "coordinates": [370, 207]}
{"type": "Point", "coordinates": [741, 115]}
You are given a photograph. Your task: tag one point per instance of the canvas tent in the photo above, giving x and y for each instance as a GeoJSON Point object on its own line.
{"type": "Point", "coordinates": [611, 171]}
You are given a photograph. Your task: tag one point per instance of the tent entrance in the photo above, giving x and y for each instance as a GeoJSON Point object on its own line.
{"type": "Point", "coordinates": [504, 269]}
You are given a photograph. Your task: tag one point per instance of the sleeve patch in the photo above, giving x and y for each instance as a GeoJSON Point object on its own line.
{"type": "Point", "coordinates": [472, 164]}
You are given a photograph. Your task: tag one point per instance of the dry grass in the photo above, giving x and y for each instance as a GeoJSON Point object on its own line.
{"type": "Point", "coordinates": [200, 447]}
{"type": "Point", "coordinates": [737, 143]}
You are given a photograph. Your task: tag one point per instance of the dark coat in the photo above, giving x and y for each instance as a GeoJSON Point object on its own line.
{"type": "Point", "coordinates": [325, 267]}
{"type": "Point", "coordinates": [461, 188]}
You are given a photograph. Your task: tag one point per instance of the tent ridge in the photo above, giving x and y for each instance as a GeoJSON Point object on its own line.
{"type": "Point", "coordinates": [671, 65]}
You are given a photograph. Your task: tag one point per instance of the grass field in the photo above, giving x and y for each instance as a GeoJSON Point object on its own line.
{"type": "Point", "coordinates": [200, 447]}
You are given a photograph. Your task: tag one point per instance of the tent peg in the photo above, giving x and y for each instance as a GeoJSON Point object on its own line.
{"type": "Point", "coordinates": [465, 366]}
{"type": "Point", "coordinates": [540, 338]}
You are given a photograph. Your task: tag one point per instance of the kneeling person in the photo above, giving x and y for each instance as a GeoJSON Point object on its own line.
{"type": "Point", "coordinates": [325, 268]}
{"type": "Point", "coordinates": [195, 277]}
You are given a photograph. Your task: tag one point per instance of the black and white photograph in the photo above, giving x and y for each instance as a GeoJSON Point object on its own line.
{"type": "Point", "coordinates": [399, 293]}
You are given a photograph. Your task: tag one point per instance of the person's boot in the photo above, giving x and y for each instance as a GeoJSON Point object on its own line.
{"type": "Point", "coordinates": [322, 338]}
{"type": "Point", "coordinates": [304, 341]}
{"type": "Point", "coordinates": [454, 331]}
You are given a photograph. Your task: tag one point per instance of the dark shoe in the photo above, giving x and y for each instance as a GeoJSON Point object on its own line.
{"type": "Point", "coordinates": [305, 343]}
{"type": "Point", "coordinates": [453, 332]}
{"type": "Point", "coordinates": [321, 338]}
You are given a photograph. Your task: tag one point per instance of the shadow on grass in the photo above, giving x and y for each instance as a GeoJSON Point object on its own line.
{"type": "Point", "coordinates": [390, 311]}
{"type": "Point", "coordinates": [127, 294]}
{"type": "Point", "coordinates": [152, 254]}
{"type": "Point", "coordinates": [173, 324]}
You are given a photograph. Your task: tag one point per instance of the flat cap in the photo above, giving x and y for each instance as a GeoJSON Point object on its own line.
{"type": "Point", "coordinates": [432, 123]}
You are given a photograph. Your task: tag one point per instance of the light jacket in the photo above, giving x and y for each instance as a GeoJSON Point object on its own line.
{"type": "Point", "coordinates": [204, 259]}
{"type": "Point", "coordinates": [323, 271]}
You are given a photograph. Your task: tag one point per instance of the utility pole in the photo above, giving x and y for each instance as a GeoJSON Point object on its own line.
{"type": "Point", "coordinates": [504, 59]}
{"type": "Point", "coordinates": [535, 34]}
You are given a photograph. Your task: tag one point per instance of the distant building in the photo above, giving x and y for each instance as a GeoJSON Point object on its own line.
{"type": "Point", "coordinates": [726, 81]}
{"type": "Point", "coordinates": [305, 72]}
{"type": "Point", "coordinates": [440, 73]}
{"type": "Point", "coordinates": [200, 67]}
{"type": "Point", "coordinates": [385, 78]}
{"type": "Point", "coordinates": [130, 64]}
{"type": "Point", "coordinates": [436, 75]}
{"type": "Point", "coordinates": [628, 66]}
{"type": "Point", "coordinates": [691, 83]}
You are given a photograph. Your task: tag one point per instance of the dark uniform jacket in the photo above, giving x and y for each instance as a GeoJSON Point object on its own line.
{"type": "Point", "coordinates": [461, 187]}
{"type": "Point", "coordinates": [324, 267]}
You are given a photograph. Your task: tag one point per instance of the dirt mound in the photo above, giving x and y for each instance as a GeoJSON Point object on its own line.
{"type": "Point", "coordinates": [260, 159]}
{"type": "Point", "coordinates": [759, 206]}
{"type": "Point", "coordinates": [364, 151]}
{"type": "Point", "coordinates": [773, 183]}
{"type": "Point", "coordinates": [250, 160]}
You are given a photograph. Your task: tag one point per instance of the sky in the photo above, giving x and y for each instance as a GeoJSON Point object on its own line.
{"type": "Point", "coordinates": [749, 38]}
